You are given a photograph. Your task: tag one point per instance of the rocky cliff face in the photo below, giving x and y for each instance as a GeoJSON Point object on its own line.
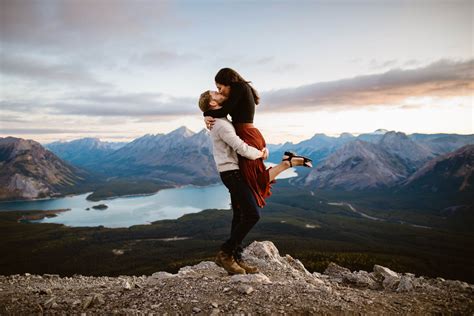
{"type": "Point", "coordinates": [28, 170]}
{"type": "Point", "coordinates": [283, 285]}
{"type": "Point", "coordinates": [446, 173]}
{"type": "Point", "coordinates": [358, 165]}
{"type": "Point", "coordinates": [412, 154]}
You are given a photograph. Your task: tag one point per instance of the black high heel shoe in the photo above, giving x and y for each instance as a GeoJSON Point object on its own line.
{"type": "Point", "coordinates": [292, 155]}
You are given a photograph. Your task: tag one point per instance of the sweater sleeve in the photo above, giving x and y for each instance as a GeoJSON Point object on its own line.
{"type": "Point", "coordinates": [228, 135]}
{"type": "Point", "coordinates": [236, 93]}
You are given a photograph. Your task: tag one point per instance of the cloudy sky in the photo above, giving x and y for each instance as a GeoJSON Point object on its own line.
{"type": "Point", "coordinates": [117, 69]}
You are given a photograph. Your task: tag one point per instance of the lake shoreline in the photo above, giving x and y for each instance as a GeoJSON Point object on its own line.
{"type": "Point", "coordinates": [44, 199]}
{"type": "Point", "coordinates": [290, 173]}
{"type": "Point", "coordinates": [42, 215]}
{"type": "Point", "coordinates": [108, 198]}
{"type": "Point", "coordinates": [128, 210]}
{"type": "Point", "coordinates": [156, 192]}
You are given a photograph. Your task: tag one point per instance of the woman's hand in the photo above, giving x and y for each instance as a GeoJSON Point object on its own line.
{"type": "Point", "coordinates": [266, 153]}
{"type": "Point", "coordinates": [209, 121]}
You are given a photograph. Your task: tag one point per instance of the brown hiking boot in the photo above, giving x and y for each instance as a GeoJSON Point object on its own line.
{"type": "Point", "coordinates": [228, 263]}
{"type": "Point", "coordinates": [248, 268]}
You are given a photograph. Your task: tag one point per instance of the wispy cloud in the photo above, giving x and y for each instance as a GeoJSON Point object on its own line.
{"type": "Point", "coordinates": [13, 119]}
{"type": "Point", "coordinates": [34, 69]}
{"type": "Point", "coordinates": [28, 131]}
{"type": "Point", "coordinates": [17, 106]}
{"type": "Point", "coordinates": [245, 59]}
{"type": "Point", "coordinates": [412, 62]}
{"type": "Point", "coordinates": [98, 104]}
{"type": "Point", "coordinates": [61, 23]}
{"type": "Point", "coordinates": [139, 66]}
{"type": "Point", "coordinates": [377, 64]}
{"type": "Point", "coordinates": [443, 78]}
{"type": "Point", "coordinates": [440, 79]}
{"type": "Point", "coordinates": [130, 105]}
{"type": "Point", "coordinates": [164, 58]}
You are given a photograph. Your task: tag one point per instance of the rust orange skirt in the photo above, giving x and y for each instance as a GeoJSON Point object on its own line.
{"type": "Point", "coordinates": [254, 171]}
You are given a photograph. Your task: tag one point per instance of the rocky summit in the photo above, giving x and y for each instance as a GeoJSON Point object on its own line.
{"type": "Point", "coordinates": [283, 286]}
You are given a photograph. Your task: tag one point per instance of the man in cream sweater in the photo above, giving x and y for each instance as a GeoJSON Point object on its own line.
{"type": "Point", "coordinates": [226, 146]}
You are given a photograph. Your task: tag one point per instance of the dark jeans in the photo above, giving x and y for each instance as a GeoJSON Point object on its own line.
{"type": "Point", "coordinates": [245, 209]}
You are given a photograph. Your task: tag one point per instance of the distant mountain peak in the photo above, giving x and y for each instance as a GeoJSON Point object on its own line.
{"type": "Point", "coordinates": [183, 131]}
{"type": "Point", "coordinates": [394, 135]}
{"type": "Point", "coordinates": [18, 143]}
{"type": "Point", "coordinates": [92, 141]}
{"type": "Point", "coordinates": [203, 131]}
{"type": "Point", "coordinates": [148, 135]}
{"type": "Point", "coordinates": [399, 144]}
{"type": "Point", "coordinates": [320, 135]}
{"type": "Point", "coordinates": [145, 139]}
{"type": "Point", "coordinates": [346, 135]}
{"type": "Point", "coordinates": [380, 131]}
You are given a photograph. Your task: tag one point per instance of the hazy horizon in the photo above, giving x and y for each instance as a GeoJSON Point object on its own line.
{"type": "Point", "coordinates": [195, 132]}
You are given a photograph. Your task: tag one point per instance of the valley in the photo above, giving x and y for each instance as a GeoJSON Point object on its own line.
{"type": "Point", "coordinates": [368, 200]}
{"type": "Point", "coordinates": [301, 224]}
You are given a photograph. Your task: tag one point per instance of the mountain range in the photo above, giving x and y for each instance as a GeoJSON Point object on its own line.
{"type": "Point", "coordinates": [85, 151]}
{"type": "Point", "coordinates": [321, 146]}
{"type": "Point", "coordinates": [358, 165]}
{"type": "Point", "coordinates": [361, 165]}
{"type": "Point", "coordinates": [382, 159]}
{"type": "Point", "coordinates": [180, 157]}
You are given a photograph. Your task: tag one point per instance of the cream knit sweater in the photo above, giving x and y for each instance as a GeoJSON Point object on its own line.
{"type": "Point", "coordinates": [226, 145]}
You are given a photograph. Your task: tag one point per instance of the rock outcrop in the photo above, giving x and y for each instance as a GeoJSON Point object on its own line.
{"type": "Point", "coordinates": [29, 171]}
{"type": "Point", "coordinates": [284, 285]}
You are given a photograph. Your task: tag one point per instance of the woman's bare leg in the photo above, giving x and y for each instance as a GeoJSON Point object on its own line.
{"type": "Point", "coordinates": [275, 171]}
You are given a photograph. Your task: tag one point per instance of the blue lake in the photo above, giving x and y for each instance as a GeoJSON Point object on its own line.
{"type": "Point", "coordinates": [133, 210]}
{"type": "Point", "coordinates": [128, 211]}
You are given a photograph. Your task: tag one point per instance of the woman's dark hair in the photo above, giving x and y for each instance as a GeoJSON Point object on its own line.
{"type": "Point", "coordinates": [226, 76]}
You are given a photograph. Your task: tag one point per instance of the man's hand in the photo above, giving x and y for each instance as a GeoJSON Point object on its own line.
{"type": "Point", "coordinates": [266, 153]}
{"type": "Point", "coordinates": [209, 121]}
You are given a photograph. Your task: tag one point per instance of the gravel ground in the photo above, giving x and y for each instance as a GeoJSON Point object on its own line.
{"type": "Point", "coordinates": [282, 286]}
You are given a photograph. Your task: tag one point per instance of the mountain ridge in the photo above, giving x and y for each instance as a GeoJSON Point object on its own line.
{"type": "Point", "coordinates": [28, 170]}
{"type": "Point", "coordinates": [357, 165]}
{"type": "Point", "coordinates": [458, 163]}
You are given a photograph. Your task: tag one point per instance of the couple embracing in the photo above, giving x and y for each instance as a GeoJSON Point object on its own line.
{"type": "Point", "coordinates": [239, 150]}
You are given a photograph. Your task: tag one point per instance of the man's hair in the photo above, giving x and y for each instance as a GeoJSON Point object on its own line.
{"type": "Point", "coordinates": [205, 100]}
